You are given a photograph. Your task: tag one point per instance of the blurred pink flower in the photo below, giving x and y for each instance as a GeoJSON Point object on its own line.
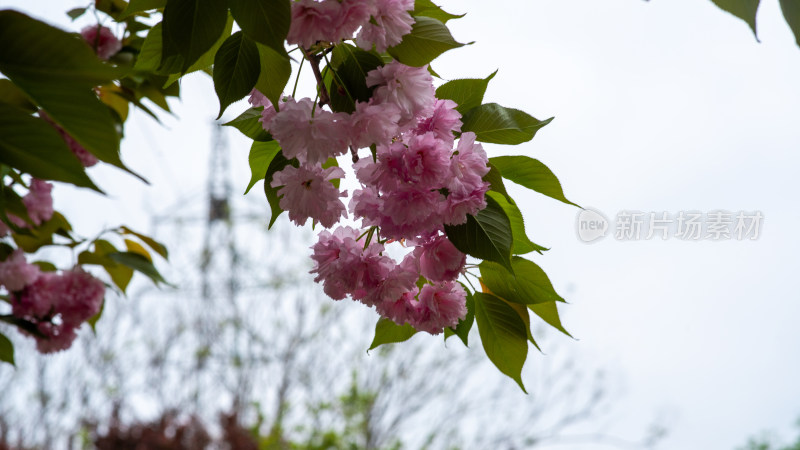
{"type": "Point", "coordinates": [39, 201]}
{"type": "Point", "coordinates": [102, 40]}
{"type": "Point", "coordinates": [16, 272]}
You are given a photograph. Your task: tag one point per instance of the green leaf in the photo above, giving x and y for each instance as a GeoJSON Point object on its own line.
{"type": "Point", "coordinates": [486, 235]}
{"type": "Point", "coordinates": [40, 54]}
{"type": "Point", "coordinates": [503, 335]}
{"type": "Point", "coordinates": [532, 174]}
{"type": "Point", "coordinates": [522, 244]}
{"type": "Point", "coordinates": [92, 321]}
{"type": "Point", "coordinates": [120, 275]}
{"type": "Point", "coordinates": [275, 73]}
{"type": "Point", "coordinates": [428, 39]}
{"type": "Point", "coordinates": [33, 146]}
{"type": "Point", "coordinates": [11, 203]}
{"type": "Point", "coordinates": [236, 69]}
{"type": "Point", "coordinates": [10, 94]}
{"type": "Point", "coordinates": [74, 13]}
{"type": "Point", "coordinates": [203, 63]}
{"type": "Point", "coordinates": [86, 119]}
{"type": "Point", "coordinates": [5, 250]}
{"type": "Point", "coordinates": [149, 58]}
{"type": "Point", "coordinates": [42, 235]}
{"type": "Point", "coordinates": [743, 9]}
{"type": "Point", "coordinates": [111, 7]}
{"type": "Point", "coordinates": [467, 92]}
{"type": "Point", "coordinates": [138, 6]}
{"type": "Point", "coordinates": [264, 21]}
{"type": "Point", "coordinates": [499, 125]}
{"type": "Point", "coordinates": [45, 266]}
{"type": "Point", "coordinates": [248, 123]}
{"type": "Point", "coordinates": [191, 27]}
{"type": "Point", "coordinates": [6, 350]}
{"type": "Point", "coordinates": [388, 332]}
{"type": "Point", "coordinates": [152, 243]}
{"type": "Point", "coordinates": [529, 284]}
{"type": "Point", "coordinates": [276, 165]}
{"type": "Point", "coordinates": [429, 9]}
{"type": "Point", "coordinates": [138, 263]}
{"type": "Point", "coordinates": [58, 71]}
{"type": "Point", "coordinates": [549, 313]}
{"type": "Point", "coordinates": [261, 155]}
{"type": "Point", "coordinates": [348, 83]}
{"type": "Point", "coordinates": [791, 12]}
{"type": "Point", "coordinates": [525, 315]}
{"type": "Point", "coordinates": [495, 179]}
{"type": "Point", "coordinates": [464, 326]}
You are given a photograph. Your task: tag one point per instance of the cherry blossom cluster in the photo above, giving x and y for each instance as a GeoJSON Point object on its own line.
{"type": "Point", "coordinates": [418, 181]}
{"type": "Point", "coordinates": [379, 23]}
{"type": "Point", "coordinates": [39, 203]}
{"type": "Point", "coordinates": [55, 304]}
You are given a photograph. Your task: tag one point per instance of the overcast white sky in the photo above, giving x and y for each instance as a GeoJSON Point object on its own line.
{"type": "Point", "coordinates": [659, 106]}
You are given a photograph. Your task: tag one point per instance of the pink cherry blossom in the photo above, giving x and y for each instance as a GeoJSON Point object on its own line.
{"type": "Point", "coordinates": [58, 304]}
{"type": "Point", "coordinates": [102, 40]}
{"type": "Point", "coordinates": [426, 162]}
{"type": "Point", "coordinates": [440, 260]}
{"type": "Point", "coordinates": [345, 267]}
{"type": "Point", "coordinates": [388, 172]}
{"type": "Point", "coordinates": [81, 296]}
{"type": "Point", "coordinates": [389, 23]}
{"type": "Point", "coordinates": [74, 295]}
{"type": "Point", "coordinates": [311, 137]}
{"type": "Point", "coordinates": [399, 310]}
{"type": "Point", "coordinates": [313, 21]}
{"type": "Point", "coordinates": [307, 192]}
{"type": "Point", "coordinates": [39, 201]}
{"type": "Point", "coordinates": [352, 15]}
{"type": "Point", "coordinates": [461, 203]}
{"type": "Point", "coordinates": [469, 164]}
{"type": "Point", "coordinates": [439, 306]}
{"type": "Point", "coordinates": [409, 88]}
{"type": "Point", "coordinates": [374, 124]}
{"type": "Point", "coordinates": [257, 99]}
{"type": "Point", "coordinates": [408, 212]}
{"type": "Point", "coordinates": [39, 299]}
{"type": "Point", "coordinates": [443, 122]}
{"type": "Point", "coordinates": [423, 162]}
{"type": "Point", "coordinates": [16, 272]}
{"type": "Point", "coordinates": [56, 337]}
{"type": "Point", "coordinates": [466, 186]}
